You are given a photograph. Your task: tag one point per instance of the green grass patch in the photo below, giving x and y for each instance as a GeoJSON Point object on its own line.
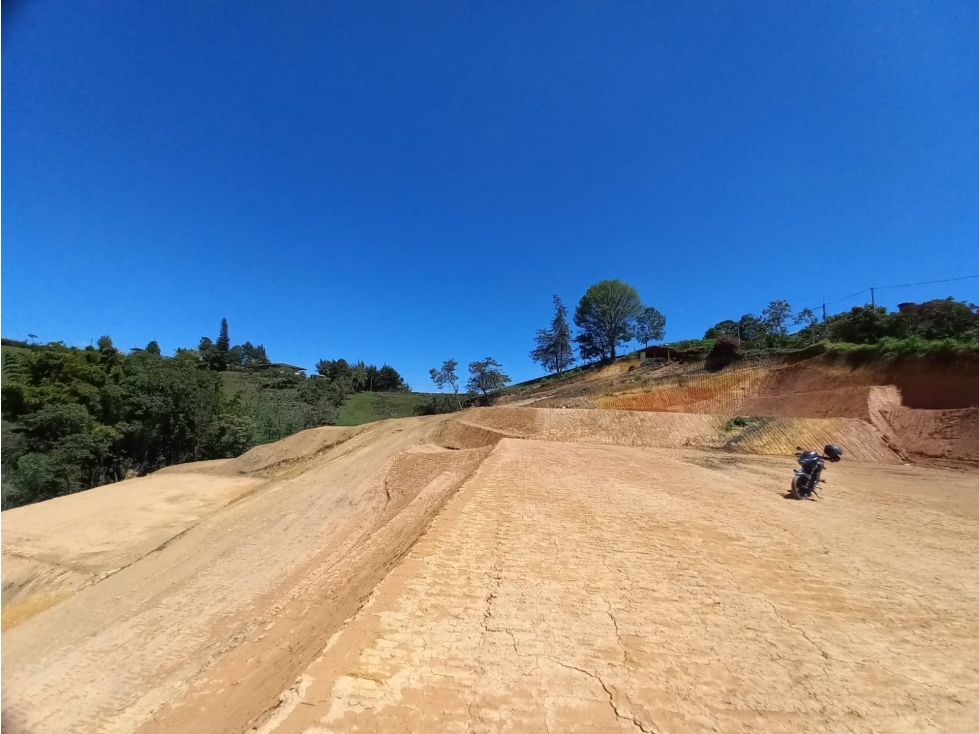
{"type": "Point", "coordinates": [365, 407]}
{"type": "Point", "coordinates": [910, 346]}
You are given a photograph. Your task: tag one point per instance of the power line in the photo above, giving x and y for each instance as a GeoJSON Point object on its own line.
{"type": "Point", "coordinates": [887, 287]}
{"type": "Point", "coordinates": [927, 282]}
{"type": "Point", "coordinates": [846, 298]}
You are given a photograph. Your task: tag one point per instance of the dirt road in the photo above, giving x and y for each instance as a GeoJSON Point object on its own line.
{"type": "Point", "coordinates": [562, 587]}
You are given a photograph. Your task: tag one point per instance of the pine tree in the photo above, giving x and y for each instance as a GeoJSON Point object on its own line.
{"type": "Point", "coordinates": [561, 335]}
{"type": "Point", "coordinates": [224, 341]}
{"type": "Point", "coordinates": [553, 346]}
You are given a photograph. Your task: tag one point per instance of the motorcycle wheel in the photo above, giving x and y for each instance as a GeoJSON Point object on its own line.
{"type": "Point", "coordinates": [799, 488]}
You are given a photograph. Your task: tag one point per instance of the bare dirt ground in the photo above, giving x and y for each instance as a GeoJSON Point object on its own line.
{"type": "Point", "coordinates": [562, 570]}
{"type": "Point", "coordinates": [584, 588]}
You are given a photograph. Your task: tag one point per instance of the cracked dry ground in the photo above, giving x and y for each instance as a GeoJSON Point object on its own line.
{"type": "Point", "coordinates": [574, 588]}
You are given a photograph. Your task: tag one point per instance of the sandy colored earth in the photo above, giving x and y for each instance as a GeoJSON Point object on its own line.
{"type": "Point", "coordinates": [515, 569]}
{"type": "Point", "coordinates": [682, 594]}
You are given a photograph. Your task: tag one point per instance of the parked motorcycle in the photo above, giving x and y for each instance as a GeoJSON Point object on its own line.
{"type": "Point", "coordinates": [812, 462]}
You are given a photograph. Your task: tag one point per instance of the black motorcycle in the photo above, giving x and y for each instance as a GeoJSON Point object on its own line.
{"type": "Point", "coordinates": [806, 479]}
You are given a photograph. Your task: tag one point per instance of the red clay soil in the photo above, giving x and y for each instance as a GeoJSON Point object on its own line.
{"type": "Point", "coordinates": [922, 409]}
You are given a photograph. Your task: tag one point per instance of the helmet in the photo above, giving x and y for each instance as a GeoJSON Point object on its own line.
{"type": "Point", "coordinates": [833, 452]}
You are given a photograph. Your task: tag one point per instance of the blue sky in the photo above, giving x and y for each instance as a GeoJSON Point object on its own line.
{"type": "Point", "coordinates": [408, 182]}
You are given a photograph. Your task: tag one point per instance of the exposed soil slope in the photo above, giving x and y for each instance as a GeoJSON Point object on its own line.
{"type": "Point", "coordinates": [594, 570]}
{"type": "Point", "coordinates": [923, 409]}
{"type": "Point", "coordinates": [581, 588]}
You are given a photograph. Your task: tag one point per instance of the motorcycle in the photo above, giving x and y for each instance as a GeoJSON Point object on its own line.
{"type": "Point", "coordinates": [807, 478]}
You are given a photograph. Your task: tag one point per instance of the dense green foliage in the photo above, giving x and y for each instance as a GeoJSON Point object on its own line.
{"type": "Point", "coordinates": [939, 319]}
{"type": "Point", "coordinates": [606, 315]}
{"type": "Point", "coordinates": [611, 313]}
{"type": "Point", "coordinates": [78, 418]}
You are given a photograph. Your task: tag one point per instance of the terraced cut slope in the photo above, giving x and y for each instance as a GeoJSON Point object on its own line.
{"type": "Point", "coordinates": [921, 410]}
{"type": "Point", "coordinates": [506, 569]}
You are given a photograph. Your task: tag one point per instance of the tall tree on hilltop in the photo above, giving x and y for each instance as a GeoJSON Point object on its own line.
{"type": "Point", "coordinates": [252, 355]}
{"type": "Point", "coordinates": [210, 356]}
{"type": "Point", "coordinates": [358, 376]}
{"type": "Point", "coordinates": [224, 341]}
{"type": "Point", "coordinates": [486, 376]}
{"type": "Point", "coordinates": [389, 380]}
{"type": "Point", "coordinates": [446, 375]}
{"type": "Point", "coordinates": [775, 317]}
{"type": "Point", "coordinates": [751, 328]}
{"type": "Point", "coordinates": [552, 349]}
{"type": "Point", "coordinates": [606, 315]}
{"type": "Point", "coordinates": [650, 326]}
{"type": "Point", "coordinates": [722, 328]}
{"type": "Point", "coordinates": [808, 319]}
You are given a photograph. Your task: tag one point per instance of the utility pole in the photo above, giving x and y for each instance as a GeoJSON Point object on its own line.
{"type": "Point", "coordinates": [873, 303]}
{"type": "Point", "coordinates": [824, 317]}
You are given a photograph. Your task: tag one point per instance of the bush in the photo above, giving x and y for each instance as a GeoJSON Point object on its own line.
{"type": "Point", "coordinates": [691, 344]}
{"type": "Point", "coordinates": [740, 421]}
{"type": "Point", "coordinates": [910, 346]}
{"type": "Point", "coordinates": [726, 349]}
{"type": "Point", "coordinates": [439, 404]}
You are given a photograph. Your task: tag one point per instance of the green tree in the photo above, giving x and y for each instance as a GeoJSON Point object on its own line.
{"type": "Point", "coordinates": [860, 325]}
{"type": "Point", "coordinates": [153, 348]}
{"type": "Point", "coordinates": [606, 315]}
{"type": "Point", "coordinates": [388, 380]}
{"type": "Point", "coordinates": [224, 340]}
{"type": "Point", "coordinates": [650, 325]}
{"type": "Point", "coordinates": [808, 319]}
{"type": "Point", "coordinates": [370, 377]}
{"type": "Point", "coordinates": [942, 318]}
{"type": "Point", "coordinates": [211, 357]}
{"type": "Point", "coordinates": [552, 346]}
{"type": "Point", "coordinates": [236, 357]}
{"type": "Point", "coordinates": [775, 317]}
{"type": "Point", "coordinates": [446, 375]}
{"type": "Point", "coordinates": [358, 376]}
{"type": "Point", "coordinates": [253, 356]}
{"type": "Point", "coordinates": [486, 377]}
{"type": "Point", "coordinates": [722, 328]}
{"type": "Point", "coordinates": [752, 328]}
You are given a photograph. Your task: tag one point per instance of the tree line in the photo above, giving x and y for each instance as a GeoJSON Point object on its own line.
{"type": "Point", "coordinates": [943, 318]}
{"type": "Point", "coordinates": [486, 379]}
{"type": "Point", "coordinates": [609, 314]}
{"type": "Point", "coordinates": [79, 418]}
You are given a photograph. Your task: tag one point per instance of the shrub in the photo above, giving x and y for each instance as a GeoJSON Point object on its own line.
{"type": "Point", "coordinates": [726, 349]}
{"type": "Point", "coordinates": [740, 421]}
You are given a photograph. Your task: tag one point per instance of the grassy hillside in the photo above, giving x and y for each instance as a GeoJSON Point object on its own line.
{"type": "Point", "coordinates": [364, 407]}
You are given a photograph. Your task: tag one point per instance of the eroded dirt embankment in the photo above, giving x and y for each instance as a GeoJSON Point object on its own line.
{"type": "Point", "coordinates": [249, 590]}
{"type": "Point", "coordinates": [922, 409]}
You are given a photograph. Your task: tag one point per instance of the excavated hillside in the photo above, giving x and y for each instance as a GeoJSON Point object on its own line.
{"type": "Point", "coordinates": [923, 409]}
{"type": "Point", "coordinates": [522, 569]}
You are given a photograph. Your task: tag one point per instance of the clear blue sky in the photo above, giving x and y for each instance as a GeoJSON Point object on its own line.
{"type": "Point", "coordinates": [407, 182]}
